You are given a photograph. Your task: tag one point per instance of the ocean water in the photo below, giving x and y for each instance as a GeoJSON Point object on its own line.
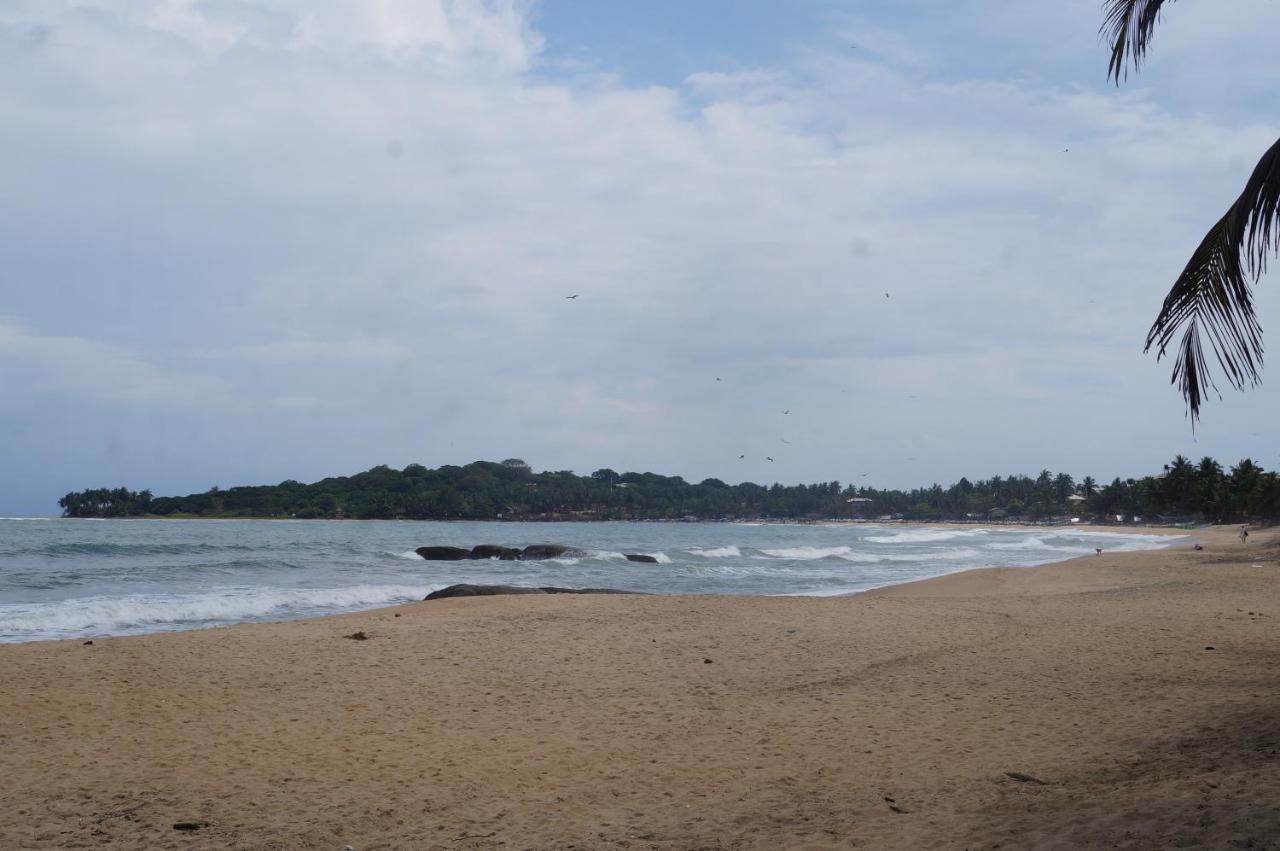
{"type": "Point", "coordinates": [84, 578]}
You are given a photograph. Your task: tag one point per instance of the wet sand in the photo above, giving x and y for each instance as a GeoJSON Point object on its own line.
{"type": "Point", "coordinates": [893, 719]}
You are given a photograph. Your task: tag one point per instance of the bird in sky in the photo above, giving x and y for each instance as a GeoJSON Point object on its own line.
{"type": "Point", "coordinates": [717, 379]}
{"type": "Point", "coordinates": [571, 297]}
{"type": "Point", "coordinates": [784, 440]}
{"type": "Point", "coordinates": [767, 458]}
{"type": "Point", "coordinates": [864, 475]}
{"type": "Point", "coordinates": [787, 411]}
{"type": "Point", "coordinates": [886, 295]}
{"type": "Point", "coordinates": [740, 457]}
{"type": "Point", "coordinates": [1066, 150]}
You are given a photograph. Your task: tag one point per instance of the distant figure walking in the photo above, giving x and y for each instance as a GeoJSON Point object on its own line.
{"type": "Point", "coordinates": [1244, 534]}
{"type": "Point", "coordinates": [1098, 550]}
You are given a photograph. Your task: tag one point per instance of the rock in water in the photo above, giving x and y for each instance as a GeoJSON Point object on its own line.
{"type": "Point", "coordinates": [642, 558]}
{"type": "Point", "coordinates": [493, 590]}
{"type": "Point", "coordinates": [465, 590]}
{"type": "Point", "coordinates": [493, 551]}
{"type": "Point", "coordinates": [443, 553]}
{"type": "Point", "coordinates": [536, 552]}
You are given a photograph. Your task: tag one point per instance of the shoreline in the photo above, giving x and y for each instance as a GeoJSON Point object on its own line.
{"type": "Point", "coordinates": [1092, 530]}
{"type": "Point", "coordinates": [893, 719]}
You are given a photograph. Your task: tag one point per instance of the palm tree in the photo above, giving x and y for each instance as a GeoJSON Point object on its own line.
{"type": "Point", "coordinates": [1213, 295]}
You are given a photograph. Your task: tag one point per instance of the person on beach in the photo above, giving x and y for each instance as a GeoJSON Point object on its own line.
{"type": "Point", "coordinates": [1244, 534]}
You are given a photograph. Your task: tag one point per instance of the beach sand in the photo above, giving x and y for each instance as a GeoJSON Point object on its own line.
{"type": "Point", "coordinates": [883, 720]}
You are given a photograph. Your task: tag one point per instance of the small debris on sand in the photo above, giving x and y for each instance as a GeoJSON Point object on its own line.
{"type": "Point", "coordinates": [1209, 647]}
{"type": "Point", "coordinates": [189, 825]}
{"type": "Point", "coordinates": [1024, 778]}
{"type": "Point", "coordinates": [706, 661]}
{"type": "Point", "coordinates": [357, 636]}
{"type": "Point", "coordinates": [87, 643]}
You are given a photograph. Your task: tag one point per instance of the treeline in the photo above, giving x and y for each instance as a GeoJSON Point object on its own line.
{"type": "Point", "coordinates": [510, 490]}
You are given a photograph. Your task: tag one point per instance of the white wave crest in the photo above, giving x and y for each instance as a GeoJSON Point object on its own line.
{"type": "Point", "coordinates": [807, 553]}
{"type": "Point", "coordinates": [226, 605]}
{"type": "Point", "coordinates": [567, 562]}
{"type": "Point", "coordinates": [717, 552]}
{"type": "Point", "coordinates": [925, 536]}
{"type": "Point", "coordinates": [608, 554]}
{"type": "Point", "coordinates": [410, 554]}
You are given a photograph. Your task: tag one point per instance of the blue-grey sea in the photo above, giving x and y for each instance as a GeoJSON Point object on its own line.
{"type": "Point", "coordinates": [82, 578]}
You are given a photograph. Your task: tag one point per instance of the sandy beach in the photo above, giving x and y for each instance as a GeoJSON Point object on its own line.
{"type": "Point", "coordinates": [1128, 700]}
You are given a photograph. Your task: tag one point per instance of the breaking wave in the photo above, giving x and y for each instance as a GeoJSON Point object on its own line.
{"type": "Point", "coordinates": [146, 612]}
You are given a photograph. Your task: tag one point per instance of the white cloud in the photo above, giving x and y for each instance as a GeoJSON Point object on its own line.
{"type": "Point", "coordinates": [33, 365]}
{"type": "Point", "coordinates": [378, 207]}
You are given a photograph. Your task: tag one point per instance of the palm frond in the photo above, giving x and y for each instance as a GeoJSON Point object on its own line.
{"type": "Point", "coordinates": [1213, 296]}
{"type": "Point", "coordinates": [1128, 26]}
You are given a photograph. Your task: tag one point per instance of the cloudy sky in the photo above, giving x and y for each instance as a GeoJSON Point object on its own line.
{"type": "Point", "coordinates": [250, 240]}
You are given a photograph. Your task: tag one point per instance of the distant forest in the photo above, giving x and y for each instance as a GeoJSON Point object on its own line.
{"type": "Point", "coordinates": [510, 490]}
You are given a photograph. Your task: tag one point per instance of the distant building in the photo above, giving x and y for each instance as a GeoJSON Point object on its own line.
{"type": "Point", "coordinates": [858, 505]}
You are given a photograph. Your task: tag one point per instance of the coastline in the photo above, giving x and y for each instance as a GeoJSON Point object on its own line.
{"type": "Point", "coordinates": [888, 718]}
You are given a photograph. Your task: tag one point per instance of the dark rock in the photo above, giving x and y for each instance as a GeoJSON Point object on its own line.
{"type": "Point", "coordinates": [190, 825]}
{"type": "Point", "coordinates": [643, 558]}
{"type": "Point", "coordinates": [1024, 778]}
{"type": "Point", "coordinates": [1210, 647]}
{"type": "Point", "coordinates": [87, 643]}
{"type": "Point", "coordinates": [443, 553]}
{"type": "Point", "coordinates": [357, 636]}
{"type": "Point", "coordinates": [493, 551]}
{"type": "Point", "coordinates": [465, 590]}
{"type": "Point", "coordinates": [1199, 548]}
{"type": "Point", "coordinates": [706, 661]}
{"type": "Point", "coordinates": [535, 552]}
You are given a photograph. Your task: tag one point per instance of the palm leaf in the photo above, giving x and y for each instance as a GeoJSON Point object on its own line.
{"type": "Point", "coordinates": [1128, 25]}
{"type": "Point", "coordinates": [1213, 296]}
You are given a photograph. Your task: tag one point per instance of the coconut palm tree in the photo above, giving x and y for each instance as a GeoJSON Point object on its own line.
{"type": "Point", "coordinates": [1212, 299]}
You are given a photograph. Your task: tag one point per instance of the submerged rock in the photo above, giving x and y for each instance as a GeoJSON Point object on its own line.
{"type": "Point", "coordinates": [535, 552]}
{"type": "Point", "coordinates": [443, 553]}
{"type": "Point", "coordinates": [465, 590]}
{"type": "Point", "coordinates": [642, 558]}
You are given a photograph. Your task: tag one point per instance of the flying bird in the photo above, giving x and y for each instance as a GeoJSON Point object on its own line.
{"type": "Point", "coordinates": [571, 297]}
{"type": "Point", "coordinates": [740, 457]}
{"type": "Point", "coordinates": [787, 411]}
{"type": "Point", "coordinates": [886, 295]}
{"type": "Point", "coordinates": [767, 458]}
{"type": "Point", "coordinates": [717, 379]}
{"type": "Point", "coordinates": [784, 440]}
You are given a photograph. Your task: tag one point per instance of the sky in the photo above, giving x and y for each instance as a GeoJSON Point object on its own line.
{"type": "Point", "coordinates": [246, 241]}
